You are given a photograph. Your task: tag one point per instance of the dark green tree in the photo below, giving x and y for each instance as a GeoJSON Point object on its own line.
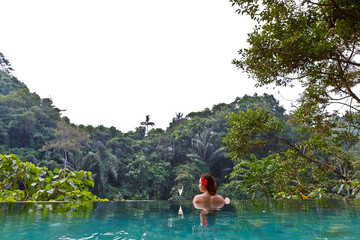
{"type": "Point", "coordinates": [313, 44]}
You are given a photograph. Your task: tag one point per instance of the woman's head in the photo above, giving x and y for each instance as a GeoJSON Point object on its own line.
{"type": "Point", "coordinates": [208, 182]}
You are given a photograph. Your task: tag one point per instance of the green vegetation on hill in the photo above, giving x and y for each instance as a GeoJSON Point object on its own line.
{"type": "Point", "coordinates": [311, 152]}
{"type": "Point", "coordinates": [10, 84]}
{"type": "Point", "coordinates": [132, 165]}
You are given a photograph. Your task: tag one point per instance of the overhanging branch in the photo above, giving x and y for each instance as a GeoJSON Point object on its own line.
{"type": "Point", "coordinates": [315, 56]}
{"type": "Point", "coordinates": [344, 12]}
{"type": "Point", "coordinates": [312, 159]}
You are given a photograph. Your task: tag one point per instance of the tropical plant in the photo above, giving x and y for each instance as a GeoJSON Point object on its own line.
{"type": "Point", "coordinates": [21, 181]}
{"type": "Point", "coordinates": [106, 168]}
{"type": "Point", "coordinates": [204, 148]}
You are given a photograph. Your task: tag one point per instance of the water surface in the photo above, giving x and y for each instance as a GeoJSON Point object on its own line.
{"type": "Point", "coordinates": [256, 219]}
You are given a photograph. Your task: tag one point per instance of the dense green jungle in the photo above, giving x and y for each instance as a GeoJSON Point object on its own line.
{"type": "Point", "coordinates": [153, 164]}
{"type": "Point", "coordinates": [133, 165]}
{"type": "Point", "coordinates": [252, 146]}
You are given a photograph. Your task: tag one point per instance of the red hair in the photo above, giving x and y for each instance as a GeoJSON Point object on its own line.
{"type": "Point", "coordinates": [210, 185]}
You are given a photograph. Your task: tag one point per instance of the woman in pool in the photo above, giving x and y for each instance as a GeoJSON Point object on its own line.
{"type": "Point", "coordinates": [209, 202]}
{"type": "Point", "coordinates": [208, 186]}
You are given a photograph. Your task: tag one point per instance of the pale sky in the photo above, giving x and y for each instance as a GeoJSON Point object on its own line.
{"type": "Point", "coordinates": [112, 62]}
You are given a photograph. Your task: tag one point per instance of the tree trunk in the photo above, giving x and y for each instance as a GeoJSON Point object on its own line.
{"type": "Point", "coordinates": [65, 159]}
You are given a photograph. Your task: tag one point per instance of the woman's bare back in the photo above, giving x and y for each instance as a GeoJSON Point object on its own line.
{"type": "Point", "coordinates": [207, 198]}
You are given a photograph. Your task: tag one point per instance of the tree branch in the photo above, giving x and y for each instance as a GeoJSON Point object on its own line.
{"type": "Point", "coordinates": [312, 159]}
{"type": "Point", "coordinates": [331, 77]}
{"type": "Point", "coordinates": [315, 57]}
{"type": "Point", "coordinates": [351, 55]}
{"type": "Point", "coordinates": [346, 85]}
{"type": "Point", "coordinates": [317, 4]}
{"type": "Point", "coordinates": [335, 6]}
{"type": "Point", "coordinates": [343, 12]}
{"type": "Point", "coordinates": [345, 104]}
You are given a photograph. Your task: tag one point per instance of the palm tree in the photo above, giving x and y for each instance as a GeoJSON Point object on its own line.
{"type": "Point", "coordinates": [205, 150]}
{"type": "Point", "coordinates": [105, 168]}
{"type": "Point", "coordinates": [208, 150]}
{"type": "Point", "coordinates": [147, 123]}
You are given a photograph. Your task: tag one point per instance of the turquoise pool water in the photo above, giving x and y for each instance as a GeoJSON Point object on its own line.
{"type": "Point", "coordinates": [290, 219]}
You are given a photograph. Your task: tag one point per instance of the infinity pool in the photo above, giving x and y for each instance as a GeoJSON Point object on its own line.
{"type": "Point", "coordinates": [254, 219]}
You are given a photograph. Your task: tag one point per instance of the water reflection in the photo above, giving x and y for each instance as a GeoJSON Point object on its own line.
{"type": "Point", "coordinates": [209, 213]}
{"type": "Point", "coordinates": [71, 209]}
{"type": "Point", "coordinates": [161, 219]}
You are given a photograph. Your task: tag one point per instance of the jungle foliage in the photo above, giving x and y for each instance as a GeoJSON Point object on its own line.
{"type": "Point", "coordinates": [21, 181]}
{"type": "Point", "coordinates": [146, 163]}
{"type": "Point", "coordinates": [314, 44]}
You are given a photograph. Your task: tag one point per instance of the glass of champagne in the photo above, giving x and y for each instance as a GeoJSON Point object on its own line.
{"type": "Point", "coordinates": [180, 189]}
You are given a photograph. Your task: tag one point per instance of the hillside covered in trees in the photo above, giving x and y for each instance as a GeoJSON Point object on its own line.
{"type": "Point", "coordinates": [251, 146]}
{"type": "Point", "coordinates": [133, 165]}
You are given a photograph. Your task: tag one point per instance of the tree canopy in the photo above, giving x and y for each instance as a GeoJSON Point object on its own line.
{"type": "Point", "coordinates": [131, 165]}
{"type": "Point", "coordinates": [314, 44]}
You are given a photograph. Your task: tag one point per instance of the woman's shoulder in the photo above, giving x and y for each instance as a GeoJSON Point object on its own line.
{"type": "Point", "coordinates": [199, 198]}
{"type": "Point", "coordinates": [217, 199]}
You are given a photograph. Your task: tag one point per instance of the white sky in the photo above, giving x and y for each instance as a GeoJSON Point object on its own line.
{"type": "Point", "coordinates": [112, 62]}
